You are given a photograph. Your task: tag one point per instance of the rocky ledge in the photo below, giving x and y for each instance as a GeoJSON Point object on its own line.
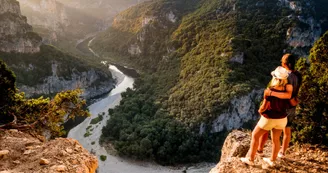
{"type": "Point", "coordinates": [20, 152]}
{"type": "Point", "coordinates": [299, 158]}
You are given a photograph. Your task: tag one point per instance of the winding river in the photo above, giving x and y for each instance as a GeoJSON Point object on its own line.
{"type": "Point", "coordinates": [115, 164]}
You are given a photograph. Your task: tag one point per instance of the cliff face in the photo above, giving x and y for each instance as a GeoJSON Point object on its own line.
{"type": "Point", "coordinates": [9, 6]}
{"type": "Point", "coordinates": [51, 71]}
{"type": "Point", "coordinates": [44, 69]}
{"type": "Point", "coordinates": [62, 21]}
{"type": "Point", "coordinates": [46, 13]}
{"type": "Point", "coordinates": [143, 34]}
{"type": "Point", "coordinates": [56, 22]}
{"type": "Point", "coordinates": [91, 81]}
{"type": "Point", "coordinates": [240, 110]}
{"type": "Point", "coordinates": [302, 36]}
{"type": "Point", "coordinates": [20, 152]}
{"type": "Point", "coordinates": [15, 33]}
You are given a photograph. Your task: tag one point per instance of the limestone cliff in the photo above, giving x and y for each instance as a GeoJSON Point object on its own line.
{"type": "Point", "coordinates": [51, 71]}
{"type": "Point", "coordinates": [240, 110]}
{"type": "Point", "coordinates": [307, 28]}
{"type": "Point", "coordinates": [42, 69]}
{"type": "Point", "coordinates": [46, 13]}
{"type": "Point", "coordinates": [15, 33]}
{"type": "Point", "coordinates": [66, 21]}
{"type": "Point", "coordinates": [302, 159]}
{"type": "Point", "coordinates": [143, 35]}
{"type": "Point", "coordinates": [20, 152]}
{"type": "Point", "coordinates": [93, 83]}
{"type": "Point", "coordinates": [143, 26]}
{"type": "Point", "coordinates": [56, 22]}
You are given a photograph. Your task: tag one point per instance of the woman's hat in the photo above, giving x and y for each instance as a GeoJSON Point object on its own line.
{"type": "Point", "coordinates": [280, 73]}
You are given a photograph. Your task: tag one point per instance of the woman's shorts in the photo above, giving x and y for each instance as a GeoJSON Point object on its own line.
{"type": "Point", "coordinates": [269, 124]}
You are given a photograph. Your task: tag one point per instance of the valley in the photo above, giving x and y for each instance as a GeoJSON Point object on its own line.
{"type": "Point", "coordinates": [166, 81]}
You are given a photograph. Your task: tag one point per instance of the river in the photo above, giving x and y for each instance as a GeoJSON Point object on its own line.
{"type": "Point", "coordinates": [115, 164]}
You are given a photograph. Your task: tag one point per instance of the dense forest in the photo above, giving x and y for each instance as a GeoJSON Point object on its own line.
{"type": "Point", "coordinates": [193, 64]}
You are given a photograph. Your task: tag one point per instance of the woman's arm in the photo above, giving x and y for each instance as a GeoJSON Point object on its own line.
{"type": "Point", "coordinates": [293, 101]}
{"type": "Point", "coordinates": [281, 95]}
{"type": "Point", "coordinates": [264, 106]}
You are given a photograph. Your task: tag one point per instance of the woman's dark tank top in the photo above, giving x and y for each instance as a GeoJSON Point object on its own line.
{"type": "Point", "coordinates": [277, 107]}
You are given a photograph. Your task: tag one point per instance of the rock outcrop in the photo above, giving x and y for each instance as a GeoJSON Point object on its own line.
{"type": "Point", "coordinates": [240, 111]}
{"type": "Point", "coordinates": [236, 145]}
{"type": "Point", "coordinates": [302, 159]}
{"type": "Point", "coordinates": [30, 155]}
{"type": "Point", "coordinates": [15, 33]}
{"type": "Point", "coordinates": [307, 31]}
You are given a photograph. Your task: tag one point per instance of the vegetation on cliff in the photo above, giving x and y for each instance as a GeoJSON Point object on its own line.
{"type": "Point", "coordinates": [146, 25]}
{"type": "Point", "coordinates": [32, 69]}
{"type": "Point", "coordinates": [213, 52]}
{"type": "Point", "coordinates": [40, 115]}
{"type": "Point", "coordinates": [312, 121]}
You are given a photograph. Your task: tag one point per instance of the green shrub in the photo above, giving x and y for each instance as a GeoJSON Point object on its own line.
{"type": "Point", "coordinates": [86, 134]}
{"type": "Point", "coordinates": [97, 119]}
{"type": "Point", "coordinates": [103, 157]}
{"type": "Point", "coordinates": [88, 127]}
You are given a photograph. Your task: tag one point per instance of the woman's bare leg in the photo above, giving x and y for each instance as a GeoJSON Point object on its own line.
{"type": "Point", "coordinates": [286, 139]}
{"type": "Point", "coordinates": [275, 143]}
{"type": "Point", "coordinates": [262, 141]}
{"type": "Point", "coordinates": [256, 134]}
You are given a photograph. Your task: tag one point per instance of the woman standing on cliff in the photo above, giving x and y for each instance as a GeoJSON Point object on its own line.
{"type": "Point", "coordinates": [273, 117]}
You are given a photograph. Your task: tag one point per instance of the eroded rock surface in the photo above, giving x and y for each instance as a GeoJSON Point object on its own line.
{"type": "Point", "coordinates": [30, 155]}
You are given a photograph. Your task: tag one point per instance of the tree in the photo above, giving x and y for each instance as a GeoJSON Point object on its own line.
{"type": "Point", "coordinates": [38, 115]}
{"type": "Point", "coordinates": [7, 91]}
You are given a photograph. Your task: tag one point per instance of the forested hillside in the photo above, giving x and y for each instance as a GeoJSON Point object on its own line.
{"type": "Point", "coordinates": [196, 57]}
{"type": "Point", "coordinates": [50, 71]}
{"type": "Point", "coordinates": [32, 69]}
{"type": "Point", "coordinates": [67, 23]}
